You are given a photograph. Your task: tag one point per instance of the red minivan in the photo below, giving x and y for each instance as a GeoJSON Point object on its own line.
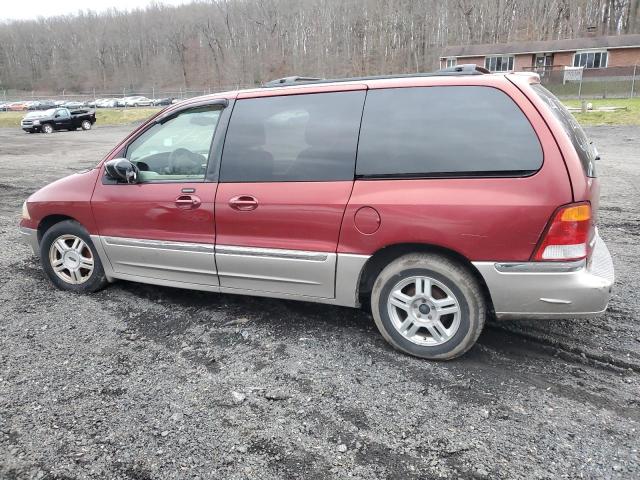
{"type": "Point", "coordinates": [437, 200]}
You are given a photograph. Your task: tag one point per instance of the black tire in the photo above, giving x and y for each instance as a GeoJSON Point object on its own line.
{"type": "Point", "coordinates": [86, 125]}
{"type": "Point", "coordinates": [46, 128]}
{"type": "Point", "coordinates": [454, 276]}
{"type": "Point", "coordinates": [95, 281]}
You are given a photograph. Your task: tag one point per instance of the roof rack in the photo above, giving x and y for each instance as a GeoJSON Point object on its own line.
{"type": "Point", "coordinates": [281, 82]}
{"type": "Point", "coordinates": [466, 69]}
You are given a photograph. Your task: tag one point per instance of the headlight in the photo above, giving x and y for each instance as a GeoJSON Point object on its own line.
{"type": "Point", "coordinates": [25, 212]}
{"type": "Point", "coordinates": [36, 122]}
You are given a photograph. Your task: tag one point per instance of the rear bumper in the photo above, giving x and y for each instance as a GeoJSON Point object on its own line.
{"type": "Point", "coordinates": [30, 237]}
{"type": "Point", "coordinates": [551, 289]}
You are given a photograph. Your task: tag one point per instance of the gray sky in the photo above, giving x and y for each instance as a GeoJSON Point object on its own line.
{"type": "Point", "coordinates": [30, 9]}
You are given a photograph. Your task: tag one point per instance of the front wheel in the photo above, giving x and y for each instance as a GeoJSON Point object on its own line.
{"type": "Point", "coordinates": [70, 260]}
{"type": "Point", "coordinates": [86, 125]}
{"type": "Point", "coordinates": [428, 306]}
{"type": "Point", "coordinates": [47, 128]}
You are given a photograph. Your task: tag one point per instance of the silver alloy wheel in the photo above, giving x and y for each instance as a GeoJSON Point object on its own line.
{"type": "Point", "coordinates": [86, 125]}
{"type": "Point", "coordinates": [71, 259]}
{"type": "Point", "coordinates": [47, 128]}
{"type": "Point", "coordinates": [424, 311]}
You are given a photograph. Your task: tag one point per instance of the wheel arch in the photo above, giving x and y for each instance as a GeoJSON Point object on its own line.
{"type": "Point", "coordinates": [381, 258]}
{"type": "Point", "coordinates": [49, 221]}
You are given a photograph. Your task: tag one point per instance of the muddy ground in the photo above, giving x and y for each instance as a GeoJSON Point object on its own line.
{"type": "Point", "coordinates": [142, 382]}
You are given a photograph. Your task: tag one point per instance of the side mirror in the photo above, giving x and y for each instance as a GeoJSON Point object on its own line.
{"type": "Point", "coordinates": [121, 170]}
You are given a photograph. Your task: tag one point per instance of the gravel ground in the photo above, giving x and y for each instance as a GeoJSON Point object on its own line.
{"type": "Point", "coordinates": [143, 382]}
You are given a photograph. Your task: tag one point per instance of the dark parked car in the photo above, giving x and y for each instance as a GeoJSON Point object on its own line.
{"type": "Point", "coordinates": [58, 119]}
{"type": "Point", "coordinates": [42, 105]}
{"type": "Point", "coordinates": [162, 101]}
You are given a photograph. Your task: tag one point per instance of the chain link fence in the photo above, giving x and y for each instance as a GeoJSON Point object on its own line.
{"type": "Point", "coordinates": [591, 83]}
{"type": "Point", "coordinates": [96, 94]}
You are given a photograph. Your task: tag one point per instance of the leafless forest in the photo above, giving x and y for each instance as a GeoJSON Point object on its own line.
{"type": "Point", "coordinates": [224, 43]}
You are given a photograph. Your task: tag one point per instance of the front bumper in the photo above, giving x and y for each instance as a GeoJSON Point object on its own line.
{"type": "Point", "coordinates": [551, 289]}
{"type": "Point", "coordinates": [30, 237]}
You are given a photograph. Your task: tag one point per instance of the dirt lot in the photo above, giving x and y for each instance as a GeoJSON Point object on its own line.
{"type": "Point", "coordinates": [143, 382]}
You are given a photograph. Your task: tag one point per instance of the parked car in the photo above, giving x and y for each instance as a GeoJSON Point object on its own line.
{"type": "Point", "coordinates": [473, 194]}
{"type": "Point", "coordinates": [162, 101]}
{"type": "Point", "coordinates": [41, 105]}
{"type": "Point", "coordinates": [137, 101]}
{"type": "Point", "coordinates": [4, 106]}
{"type": "Point", "coordinates": [73, 104]}
{"type": "Point", "coordinates": [107, 103]}
{"type": "Point", "coordinates": [58, 119]}
{"type": "Point", "coordinates": [17, 106]}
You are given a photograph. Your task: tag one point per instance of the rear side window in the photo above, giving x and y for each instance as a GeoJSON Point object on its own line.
{"type": "Point", "coordinates": [585, 150]}
{"type": "Point", "coordinates": [445, 131]}
{"type": "Point", "coordinates": [293, 138]}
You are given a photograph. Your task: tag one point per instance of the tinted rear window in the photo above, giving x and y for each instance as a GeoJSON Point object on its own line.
{"type": "Point", "coordinates": [293, 138]}
{"type": "Point", "coordinates": [442, 131]}
{"type": "Point", "coordinates": [584, 148]}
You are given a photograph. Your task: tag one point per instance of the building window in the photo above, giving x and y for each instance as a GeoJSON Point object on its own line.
{"type": "Point", "coordinates": [591, 59]}
{"type": "Point", "coordinates": [452, 62]}
{"type": "Point", "coordinates": [502, 63]}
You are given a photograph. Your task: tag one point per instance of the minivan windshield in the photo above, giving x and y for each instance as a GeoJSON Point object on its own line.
{"type": "Point", "coordinates": [584, 148]}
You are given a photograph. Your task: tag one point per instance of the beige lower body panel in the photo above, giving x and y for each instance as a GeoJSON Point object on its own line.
{"type": "Point", "coordinates": [289, 274]}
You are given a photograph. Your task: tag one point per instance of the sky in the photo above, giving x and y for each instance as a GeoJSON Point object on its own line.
{"type": "Point", "coordinates": [31, 9]}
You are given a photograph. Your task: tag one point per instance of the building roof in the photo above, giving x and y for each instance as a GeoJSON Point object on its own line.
{"type": "Point", "coordinates": [571, 44]}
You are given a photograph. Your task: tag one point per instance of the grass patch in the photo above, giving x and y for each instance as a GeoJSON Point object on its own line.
{"type": "Point", "coordinates": [104, 116]}
{"type": "Point", "coordinates": [630, 116]}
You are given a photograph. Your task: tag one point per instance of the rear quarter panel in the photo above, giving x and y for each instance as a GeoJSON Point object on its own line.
{"type": "Point", "coordinates": [494, 219]}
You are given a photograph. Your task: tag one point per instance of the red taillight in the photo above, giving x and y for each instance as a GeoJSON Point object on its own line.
{"type": "Point", "coordinates": [568, 234]}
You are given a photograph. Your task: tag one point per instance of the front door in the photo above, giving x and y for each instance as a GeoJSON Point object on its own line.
{"type": "Point", "coordinates": [62, 118]}
{"type": "Point", "coordinates": [286, 176]}
{"type": "Point", "coordinates": [163, 226]}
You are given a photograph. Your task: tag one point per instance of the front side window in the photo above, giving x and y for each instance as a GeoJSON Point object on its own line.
{"type": "Point", "coordinates": [445, 131]}
{"type": "Point", "coordinates": [293, 138]}
{"type": "Point", "coordinates": [62, 113]}
{"type": "Point", "coordinates": [593, 59]}
{"type": "Point", "coordinates": [176, 148]}
{"type": "Point", "coordinates": [499, 63]}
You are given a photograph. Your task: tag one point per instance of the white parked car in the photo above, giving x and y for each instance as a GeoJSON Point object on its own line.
{"type": "Point", "coordinates": [138, 101]}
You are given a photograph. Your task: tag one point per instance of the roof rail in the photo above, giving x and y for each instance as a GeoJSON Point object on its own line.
{"type": "Point", "coordinates": [466, 69]}
{"type": "Point", "coordinates": [286, 81]}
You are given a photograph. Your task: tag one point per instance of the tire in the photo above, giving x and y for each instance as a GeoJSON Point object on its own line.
{"type": "Point", "coordinates": [451, 288]}
{"type": "Point", "coordinates": [86, 125]}
{"type": "Point", "coordinates": [71, 234]}
{"type": "Point", "coordinates": [46, 128]}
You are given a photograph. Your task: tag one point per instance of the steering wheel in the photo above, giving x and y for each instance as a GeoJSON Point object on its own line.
{"type": "Point", "coordinates": [185, 162]}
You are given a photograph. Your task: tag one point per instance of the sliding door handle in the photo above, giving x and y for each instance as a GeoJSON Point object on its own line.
{"type": "Point", "coordinates": [244, 203]}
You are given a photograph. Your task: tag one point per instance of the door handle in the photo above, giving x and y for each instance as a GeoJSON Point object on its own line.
{"type": "Point", "coordinates": [244, 203]}
{"type": "Point", "coordinates": [187, 202]}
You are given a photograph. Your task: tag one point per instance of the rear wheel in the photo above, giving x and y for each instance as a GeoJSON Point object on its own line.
{"type": "Point", "coordinates": [86, 125]}
{"type": "Point", "coordinates": [428, 306]}
{"type": "Point", "coordinates": [70, 260]}
{"type": "Point", "coordinates": [47, 128]}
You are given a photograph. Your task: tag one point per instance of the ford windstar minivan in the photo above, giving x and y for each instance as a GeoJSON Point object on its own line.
{"type": "Point", "coordinates": [436, 200]}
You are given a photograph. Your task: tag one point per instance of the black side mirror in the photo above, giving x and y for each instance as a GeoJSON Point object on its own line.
{"type": "Point", "coordinates": [121, 170]}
